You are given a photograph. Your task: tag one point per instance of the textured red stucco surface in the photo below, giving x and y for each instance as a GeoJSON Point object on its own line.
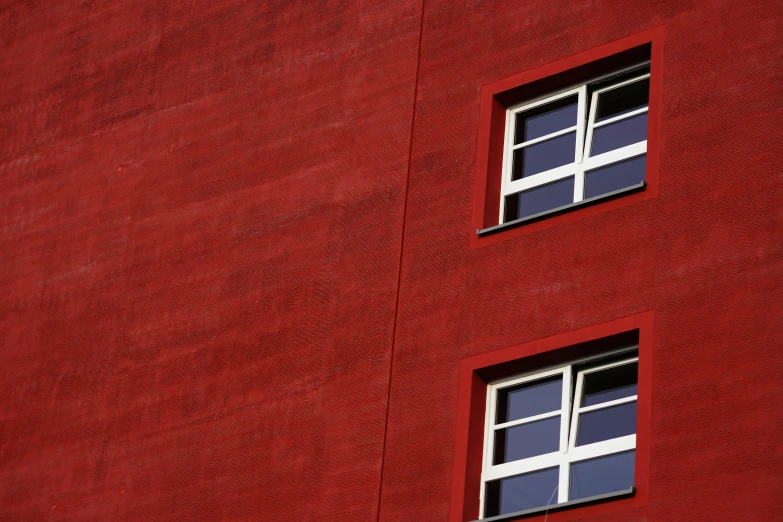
{"type": "Point", "coordinates": [208, 267]}
{"type": "Point", "coordinates": [201, 214]}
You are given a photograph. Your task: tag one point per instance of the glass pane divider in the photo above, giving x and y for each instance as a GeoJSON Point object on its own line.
{"type": "Point", "coordinates": [622, 84]}
{"type": "Point", "coordinates": [615, 119]}
{"type": "Point", "coordinates": [542, 178]}
{"type": "Point", "coordinates": [502, 384]}
{"type": "Point", "coordinates": [564, 483]}
{"type": "Point", "coordinates": [614, 364]}
{"type": "Point", "coordinates": [542, 100]}
{"type": "Point", "coordinates": [527, 420]}
{"type": "Point", "coordinates": [599, 449]}
{"type": "Point", "coordinates": [579, 184]}
{"type": "Point", "coordinates": [518, 467]}
{"type": "Point", "coordinates": [614, 156]}
{"type": "Point", "coordinates": [543, 138]}
{"type": "Point", "coordinates": [565, 408]}
{"type": "Point", "coordinates": [608, 404]}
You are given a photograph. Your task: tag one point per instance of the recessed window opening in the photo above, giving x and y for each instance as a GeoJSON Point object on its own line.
{"type": "Point", "coordinates": [561, 434]}
{"type": "Point", "coordinates": [584, 142]}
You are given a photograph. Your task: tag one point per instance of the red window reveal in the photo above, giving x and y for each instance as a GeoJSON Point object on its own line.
{"type": "Point", "coordinates": [569, 139]}
{"type": "Point", "coordinates": [557, 426]}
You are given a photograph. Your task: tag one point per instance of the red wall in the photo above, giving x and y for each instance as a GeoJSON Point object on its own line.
{"type": "Point", "coordinates": [213, 276]}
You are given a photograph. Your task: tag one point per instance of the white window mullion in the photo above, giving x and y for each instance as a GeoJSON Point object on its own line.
{"type": "Point", "coordinates": [508, 157]}
{"type": "Point", "coordinates": [543, 138]}
{"type": "Point", "coordinates": [630, 360]}
{"type": "Point", "coordinates": [565, 410]}
{"type": "Point", "coordinates": [615, 156]}
{"type": "Point", "coordinates": [580, 124]}
{"type": "Point", "coordinates": [575, 411]}
{"type": "Point", "coordinates": [590, 126]}
{"type": "Point", "coordinates": [489, 442]}
{"type": "Point", "coordinates": [543, 100]}
{"type": "Point", "coordinates": [517, 467]}
{"type": "Point", "coordinates": [579, 185]}
{"type": "Point", "coordinates": [537, 180]}
{"type": "Point", "coordinates": [623, 83]}
{"type": "Point", "coordinates": [564, 482]}
{"type": "Point", "coordinates": [608, 404]}
{"type": "Point", "coordinates": [615, 119]}
{"type": "Point", "coordinates": [602, 448]}
{"type": "Point", "coordinates": [562, 488]}
{"type": "Point", "coordinates": [579, 176]}
{"type": "Point", "coordinates": [528, 377]}
{"type": "Point", "coordinates": [526, 420]}
{"type": "Point", "coordinates": [489, 432]}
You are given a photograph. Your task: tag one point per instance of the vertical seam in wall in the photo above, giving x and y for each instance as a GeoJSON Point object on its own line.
{"type": "Point", "coordinates": [399, 268]}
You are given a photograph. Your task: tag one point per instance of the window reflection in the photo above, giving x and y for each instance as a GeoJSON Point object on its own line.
{"type": "Point", "coordinates": [527, 440]}
{"type": "Point", "coordinates": [546, 119]}
{"type": "Point", "coordinates": [520, 492]}
{"type": "Point", "coordinates": [606, 423]}
{"type": "Point", "coordinates": [539, 199]}
{"type": "Point", "coordinates": [543, 156]}
{"type": "Point", "coordinates": [532, 398]}
{"type": "Point", "coordinates": [615, 176]}
{"type": "Point", "coordinates": [623, 100]}
{"type": "Point", "coordinates": [619, 134]}
{"type": "Point", "coordinates": [610, 384]}
{"type": "Point", "coordinates": [602, 475]}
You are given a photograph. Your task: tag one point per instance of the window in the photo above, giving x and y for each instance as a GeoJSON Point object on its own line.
{"type": "Point", "coordinates": [560, 435]}
{"type": "Point", "coordinates": [590, 351]}
{"type": "Point", "coordinates": [584, 143]}
{"type": "Point", "coordinates": [568, 139]}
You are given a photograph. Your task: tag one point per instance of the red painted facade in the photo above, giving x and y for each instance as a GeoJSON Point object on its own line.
{"type": "Point", "coordinates": [240, 278]}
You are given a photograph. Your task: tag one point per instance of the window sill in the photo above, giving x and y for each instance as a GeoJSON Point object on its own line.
{"type": "Point", "coordinates": [561, 210]}
{"type": "Point", "coordinates": [559, 507]}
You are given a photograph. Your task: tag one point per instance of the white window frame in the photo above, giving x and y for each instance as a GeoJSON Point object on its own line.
{"type": "Point", "coordinates": [568, 452]}
{"type": "Point", "coordinates": [584, 127]}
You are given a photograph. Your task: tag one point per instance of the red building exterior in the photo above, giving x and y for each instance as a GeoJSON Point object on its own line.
{"type": "Point", "coordinates": [241, 278]}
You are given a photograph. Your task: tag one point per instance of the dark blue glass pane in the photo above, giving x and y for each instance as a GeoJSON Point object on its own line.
{"type": "Point", "coordinates": [544, 156]}
{"type": "Point", "coordinates": [546, 119]}
{"type": "Point", "coordinates": [526, 400]}
{"type": "Point", "coordinates": [608, 385]}
{"type": "Point", "coordinates": [602, 475]}
{"type": "Point", "coordinates": [606, 423]}
{"type": "Point", "coordinates": [528, 491]}
{"type": "Point", "coordinates": [619, 134]}
{"type": "Point", "coordinates": [539, 199]}
{"type": "Point", "coordinates": [527, 440]}
{"type": "Point", "coordinates": [615, 176]}
{"type": "Point", "coordinates": [623, 100]}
